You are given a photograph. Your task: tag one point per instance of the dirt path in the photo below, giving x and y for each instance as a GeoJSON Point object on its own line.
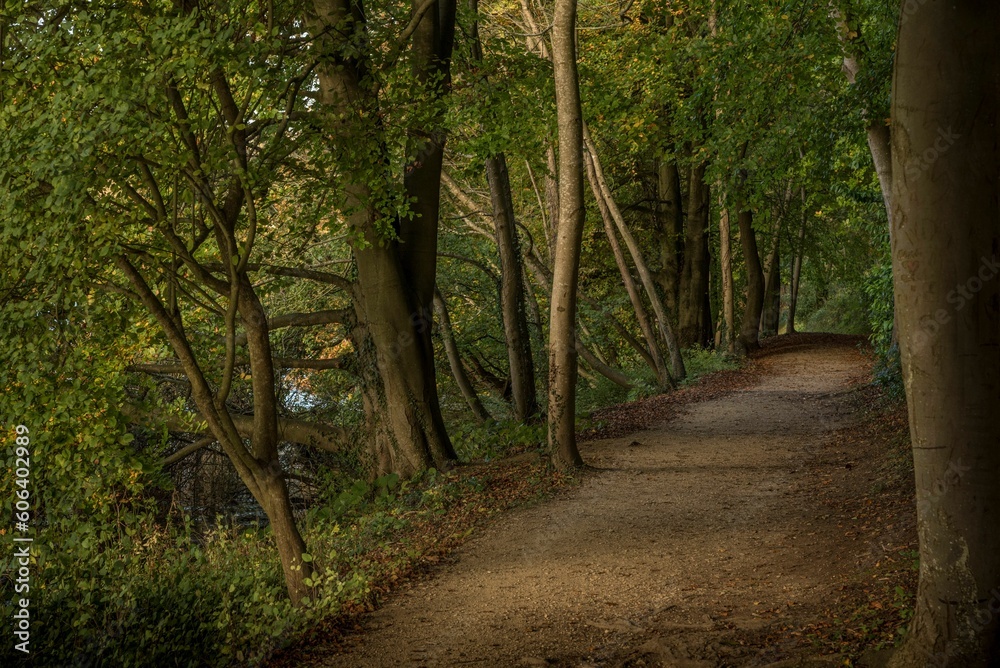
{"type": "Point", "coordinates": [696, 536]}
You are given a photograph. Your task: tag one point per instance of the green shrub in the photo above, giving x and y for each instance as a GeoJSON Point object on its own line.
{"type": "Point", "coordinates": [879, 289]}
{"type": "Point", "coordinates": [700, 361]}
{"type": "Point", "coordinates": [844, 312]}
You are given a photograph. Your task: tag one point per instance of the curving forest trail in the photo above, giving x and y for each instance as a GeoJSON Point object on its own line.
{"type": "Point", "coordinates": [694, 542]}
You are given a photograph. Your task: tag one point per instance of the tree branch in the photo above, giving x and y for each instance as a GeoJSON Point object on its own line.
{"type": "Point", "coordinates": [188, 450]}
{"type": "Point", "coordinates": [290, 430]}
{"type": "Point", "coordinates": [175, 367]}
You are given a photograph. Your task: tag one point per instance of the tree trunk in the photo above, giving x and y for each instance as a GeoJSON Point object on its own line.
{"type": "Point", "coordinates": [670, 223]}
{"type": "Point", "coordinates": [694, 276]}
{"type": "Point", "coordinates": [793, 292]}
{"type": "Point", "coordinates": [455, 361]}
{"type": "Point", "coordinates": [726, 261]}
{"type": "Point", "coordinates": [569, 235]}
{"type": "Point", "coordinates": [946, 258]}
{"type": "Point", "coordinates": [552, 199]}
{"type": "Point", "coordinates": [512, 286]}
{"type": "Point", "coordinates": [278, 508]}
{"type": "Point", "coordinates": [515, 322]}
{"type": "Point", "coordinates": [879, 143]}
{"type": "Point", "coordinates": [394, 290]}
{"type": "Point", "coordinates": [612, 374]}
{"type": "Point", "coordinates": [877, 132]}
{"type": "Point", "coordinates": [543, 278]}
{"type": "Point", "coordinates": [260, 467]}
{"type": "Point", "coordinates": [772, 289]}
{"type": "Point", "coordinates": [748, 340]}
{"type": "Point", "coordinates": [645, 275]}
{"type": "Point", "coordinates": [659, 368]}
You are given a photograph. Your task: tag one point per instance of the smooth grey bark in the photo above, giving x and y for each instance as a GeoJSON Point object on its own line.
{"type": "Point", "coordinates": [569, 235]}
{"type": "Point", "coordinates": [946, 261]}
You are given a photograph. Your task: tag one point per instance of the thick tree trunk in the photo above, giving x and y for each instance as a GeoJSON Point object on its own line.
{"type": "Point", "coordinates": [394, 290]}
{"type": "Point", "coordinates": [748, 340]}
{"type": "Point", "coordinates": [641, 317]}
{"type": "Point", "coordinates": [946, 260]}
{"type": "Point", "coordinates": [726, 262]}
{"type": "Point", "coordinates": [455, 361]}
{"type": "Point", "coordinates": [645, 275]}
{"type": "Point", "coordinates": [569, 235]}
{"type": "Point", "coordinates": [670, 223]}
{"type": "Point", "coordinates": [772, 290]}
{"type": "Point", "coordinates": [406, 430]}
{"type": "Point", "coordinates": [694, 276]}
{"type": "Point", "coordinates": [512, 306]}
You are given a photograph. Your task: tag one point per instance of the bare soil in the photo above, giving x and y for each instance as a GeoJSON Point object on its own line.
{"type": "Point", "coordinates": [715, 539]}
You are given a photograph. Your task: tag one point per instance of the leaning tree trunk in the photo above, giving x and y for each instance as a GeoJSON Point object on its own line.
{"type": "Point", "coordinates": [394, 290]}
{"type": "Point", "coordinates": [455, 361]}
{"type": "Point", "coordinates": [641, 317]}
{"type": "Point", "coordinates": [258, 467]}
{"type": "Point", "coordinates": [748, 340]}
{"type": "Point", "coordinates": [569, 236]}
{"type": "Point", "coordinates": [946, 260]}
{"type": "Point", "coordinates": [877, 132]}
{"type": "Point", "coordinates": [645, 275]}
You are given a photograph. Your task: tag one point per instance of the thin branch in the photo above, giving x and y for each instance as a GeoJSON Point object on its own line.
{"type": "Point", "coordinates": [187, 450]}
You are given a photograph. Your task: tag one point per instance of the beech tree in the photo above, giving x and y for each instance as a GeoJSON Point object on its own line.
{"type": "Point", "coordinates": [569, 231]}
{"type": "Point", "coordinates": [395, 247]}
{"type": "Point", "coordinates": [946, 259]}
